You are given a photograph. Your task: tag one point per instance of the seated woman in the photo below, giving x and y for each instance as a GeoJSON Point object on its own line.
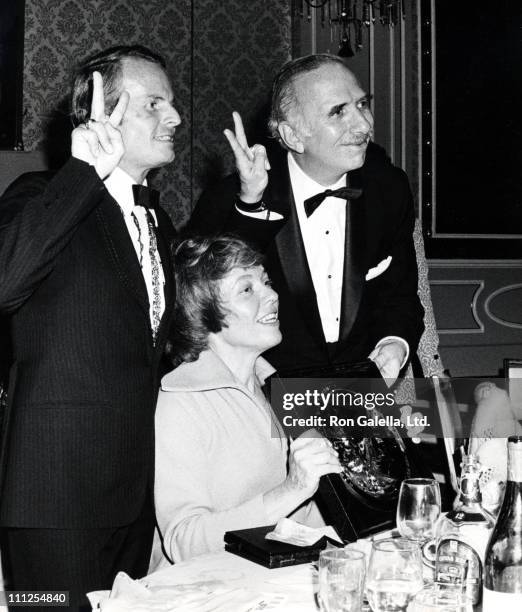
{"type": "Point", "coordinates": [221, 455]}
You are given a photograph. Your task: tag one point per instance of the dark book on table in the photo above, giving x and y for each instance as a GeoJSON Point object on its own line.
{"type": "Point", "coordinates": [252, 545]}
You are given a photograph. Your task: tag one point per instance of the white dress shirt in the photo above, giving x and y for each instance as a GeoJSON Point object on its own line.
{"type": "Point", "coordinates": [119, 185]}
{"type": "Point", "coordinates": [323, 235]}
{"type": "Point", "coordinates": [323, 238]}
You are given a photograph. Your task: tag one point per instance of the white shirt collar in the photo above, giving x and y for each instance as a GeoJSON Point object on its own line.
{"type": "Point", "coordinates": [119, 185]}
{"type": "Point", "coordinates": [304, 186]}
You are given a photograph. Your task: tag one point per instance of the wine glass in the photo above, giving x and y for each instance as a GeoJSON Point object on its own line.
{"type": "Point", "coordinates": [341, 580]}
{"type": "Point", "coordinates": [418, 508]}
{"type": "Point", "coordinates": [394, 574]}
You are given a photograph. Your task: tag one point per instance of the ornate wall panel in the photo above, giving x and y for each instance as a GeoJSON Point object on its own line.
{"type": "Point", "coordinates": [477, 307]}
{"type": "Point", "coordinates": [238, 47]}
{"type": "Point", "coordinates": [504, 306]}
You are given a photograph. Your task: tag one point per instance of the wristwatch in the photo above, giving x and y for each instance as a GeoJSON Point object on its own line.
{"type": "Point", "coordinates": [250, 207]}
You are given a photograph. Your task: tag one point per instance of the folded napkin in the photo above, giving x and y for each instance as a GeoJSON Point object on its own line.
{"type": "Point", "coordinates": [290, 532]}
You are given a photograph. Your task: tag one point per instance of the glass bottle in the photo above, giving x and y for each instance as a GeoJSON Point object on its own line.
{"type": "Point", "coordinates": [503, 566]}
{"type": "Point", "coordinates": [462, 536]}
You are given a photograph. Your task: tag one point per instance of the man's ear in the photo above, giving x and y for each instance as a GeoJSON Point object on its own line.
{"type": "Point", "coordinates": [290, 137]}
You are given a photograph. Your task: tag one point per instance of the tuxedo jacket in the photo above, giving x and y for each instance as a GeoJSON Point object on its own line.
{"type": "Point", "coordinates": [379, 296]}
{"type": "Point", "coordinates": [79, 440]}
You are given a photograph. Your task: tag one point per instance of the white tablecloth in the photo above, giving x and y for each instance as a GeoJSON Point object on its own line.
{"type": "Point", "coordinates": [219, 582]}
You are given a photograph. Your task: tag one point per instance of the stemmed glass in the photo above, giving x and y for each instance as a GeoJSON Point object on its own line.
{"type": "Point", "coordinates": [394, 574]}
{"type": "Point", "coordinates": [341, 580]}
{"type": "Point", "coordinates": [418, 508]}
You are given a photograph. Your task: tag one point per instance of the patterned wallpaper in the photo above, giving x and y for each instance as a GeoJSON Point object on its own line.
{"type": "Point", "coordinates": [221, 57]}
{"type": "Point", "coordinates": [236, 54]}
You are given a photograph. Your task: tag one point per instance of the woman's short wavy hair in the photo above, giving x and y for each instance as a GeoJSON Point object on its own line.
{"type": "Point", "coordinates": [200, 264]}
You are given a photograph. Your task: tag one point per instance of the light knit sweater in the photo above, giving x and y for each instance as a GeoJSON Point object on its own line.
{"type": "Point", "coordinates": [218, 450]}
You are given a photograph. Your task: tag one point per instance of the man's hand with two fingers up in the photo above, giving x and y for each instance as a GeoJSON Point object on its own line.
{"type": "Point", "coordinates": [98, 142]}
{"type": "Point", "coordinates": [251, 162]}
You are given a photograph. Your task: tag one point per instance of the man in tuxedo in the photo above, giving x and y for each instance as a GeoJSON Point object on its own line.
{"type": "Point", "coordinates": [343, 263]}
{"type": "Point", "coordinates": [86, 281]}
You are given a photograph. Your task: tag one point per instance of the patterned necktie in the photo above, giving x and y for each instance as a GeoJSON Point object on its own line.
{"type": "Point", "coordinates": [348, 193]}
{"type": "Point", "coordinates": [149, 198]}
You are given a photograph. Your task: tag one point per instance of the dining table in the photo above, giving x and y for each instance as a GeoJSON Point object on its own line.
{"type": "Point", "coordinates": [220, 582]}
{"type": "Point", "coordinates": [225, 582]}
{"type": "Point", "coordinates": [214, 582]}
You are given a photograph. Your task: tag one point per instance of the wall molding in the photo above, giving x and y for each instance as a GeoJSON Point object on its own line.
{"type": "Point", "coordinates": [495, 294]}
{"type": "Point", "coordinates": [473, 306]}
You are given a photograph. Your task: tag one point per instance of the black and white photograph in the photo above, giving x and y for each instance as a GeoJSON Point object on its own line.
{"type": "Point", "coordinates": [260, 305]}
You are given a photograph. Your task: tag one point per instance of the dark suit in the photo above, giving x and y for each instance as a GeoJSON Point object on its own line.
{"type": "Point", "coordinates": [379, 224]}
{"type": "Point", "coordinates": [82, 392]}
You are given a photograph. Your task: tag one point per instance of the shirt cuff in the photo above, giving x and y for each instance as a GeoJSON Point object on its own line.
{"type": "Point", "coordinates": [387, 339]}
{"type": "Point", "coordinates": [265, 215]}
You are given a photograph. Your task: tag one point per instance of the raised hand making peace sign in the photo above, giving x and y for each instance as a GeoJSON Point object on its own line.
{"type": "Point", "coordinates": [98, 142]}
{"type": "Point", "coordinates": [251, 162]}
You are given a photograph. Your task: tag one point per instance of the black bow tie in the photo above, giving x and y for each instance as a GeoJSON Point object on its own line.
{"type": "Point", "coordinates": [348, 193]}
{"type": "Point", "coordinates": [145, 196]}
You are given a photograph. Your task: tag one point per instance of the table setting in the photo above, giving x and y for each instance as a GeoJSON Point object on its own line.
{"type": "Point", "coordinates": [377, 571]}
{"type": "Point", "coordinates": [426, 560]}
{"type": "Point", "coordinates": [224, 582]}
{"type": "Point", "coordinates": [390, 571]}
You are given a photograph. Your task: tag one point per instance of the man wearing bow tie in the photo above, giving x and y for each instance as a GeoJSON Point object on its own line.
{"type": "Point", "coordinates": [87, 283]}
{"type": "Point", "coordinates": [336, 223]}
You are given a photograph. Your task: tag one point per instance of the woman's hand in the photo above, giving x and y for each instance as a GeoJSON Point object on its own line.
{"type": "Point", "coordinates": [311, 456]}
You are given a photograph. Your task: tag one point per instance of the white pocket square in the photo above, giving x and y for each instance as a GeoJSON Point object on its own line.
{"type": "Point", "coordinates": [379, 268]}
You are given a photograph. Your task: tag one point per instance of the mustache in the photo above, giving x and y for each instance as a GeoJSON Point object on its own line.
{"type": "Point", "coordinates": [359, 141]}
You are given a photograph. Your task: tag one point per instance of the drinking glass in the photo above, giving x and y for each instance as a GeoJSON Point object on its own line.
{"type": "Point", "coordinates": [394, 574]}
{"type": "Point", "coordinates": [341, 580]}
{"type": "Point", "coordinates": [441, 597]}
{"type": "Point", "coordinates": [418, 508]}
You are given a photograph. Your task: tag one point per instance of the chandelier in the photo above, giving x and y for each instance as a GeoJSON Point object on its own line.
{"type": "Point", "coordinates": [347, 18]}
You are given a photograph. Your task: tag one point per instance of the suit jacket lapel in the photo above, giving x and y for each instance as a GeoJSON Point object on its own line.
{"type": "Point", "coordinates": [292, 255]}
{"type": "Point", "coordinates": [353, 270]}
{"type": "Point", "coordinates": [121, 250]}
